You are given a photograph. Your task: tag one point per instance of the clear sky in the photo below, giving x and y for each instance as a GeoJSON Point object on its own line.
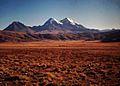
{"type": "Point", "coordinates": [101, 14]}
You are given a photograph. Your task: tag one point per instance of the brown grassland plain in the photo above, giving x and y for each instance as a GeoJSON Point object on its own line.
{"type": "Point", "coordinates": [56, 63]}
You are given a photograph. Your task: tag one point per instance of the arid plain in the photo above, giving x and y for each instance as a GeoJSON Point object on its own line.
{"type": "Point", "coordinates": [60, 63]}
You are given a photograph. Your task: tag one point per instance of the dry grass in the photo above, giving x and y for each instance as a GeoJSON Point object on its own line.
{"type": "Point", "coordinates": [60, 63]}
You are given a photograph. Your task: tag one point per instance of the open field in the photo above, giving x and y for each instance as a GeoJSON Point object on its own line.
{"type": "Point", "coordinates": [54, 63]}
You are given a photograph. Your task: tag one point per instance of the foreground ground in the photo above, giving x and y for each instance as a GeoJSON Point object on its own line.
{"type": "Point", "coordinates": [53, 63]}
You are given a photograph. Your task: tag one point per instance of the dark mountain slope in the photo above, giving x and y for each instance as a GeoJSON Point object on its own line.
{"type": "Point", "coordinates": [18, 27]}
{"type": "Point", "coordinates": [111, 36]}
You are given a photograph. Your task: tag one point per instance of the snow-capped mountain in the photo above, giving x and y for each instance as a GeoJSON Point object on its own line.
{"type": "Point", "coordinates": [72, 25]}
{"type": "Point", "coordinates": [51, 24]}
{"type": "Point", "coordinates": [18, 27]}
{"type": "Point", "coordinates": [65, 29]}
{"type": "Point", "coordinates": [68, 21]}
{"type": "Point", "coordinates": [52, 21]}
{"type": "Point", "coordinates": [66, 25]}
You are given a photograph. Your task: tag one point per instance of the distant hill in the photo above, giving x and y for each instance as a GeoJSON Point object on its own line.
{"type": "Point", "coordinates": [6, 36]}
{"type": "Point", "coordinates": [111, 36]}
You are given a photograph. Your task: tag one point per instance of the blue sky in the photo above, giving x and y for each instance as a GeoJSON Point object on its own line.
{"type": "Point", "coordinates": [101, 14]}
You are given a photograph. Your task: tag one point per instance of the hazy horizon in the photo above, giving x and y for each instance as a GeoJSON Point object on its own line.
{"type": "Point", "coordinates": [98, 14]}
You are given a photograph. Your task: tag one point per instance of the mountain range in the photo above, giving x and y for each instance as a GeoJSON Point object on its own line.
{"type": "Point", "coordinates": [52, 29]}
{"type": "Point", "coordinates": [51, 25]}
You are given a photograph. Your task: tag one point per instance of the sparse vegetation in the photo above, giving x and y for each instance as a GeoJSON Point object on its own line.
{"type": "Point", "coordinates": [54, 63]}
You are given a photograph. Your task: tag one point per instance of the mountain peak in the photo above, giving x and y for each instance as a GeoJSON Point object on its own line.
{"type": "Point", "coordinates": [68, 20]}
{"type": "Point", "coordinates": [18, 27]}
{"type": "Point", "coordinates": [53, 20]}
{"type": "Point", "coordinates": [16, 22]}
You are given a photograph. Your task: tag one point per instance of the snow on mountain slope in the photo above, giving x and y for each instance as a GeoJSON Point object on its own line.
{"type": "Point", "coordinates": [52, 24]}
{"type": "Point", "coordinates": [66, 24]}
{"type": "Point", "coordinates": [52, 21]}
{"type": "Point", "coordinates": [68, 21]}
{"type": "Point", "coordinates": [72, 25]}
